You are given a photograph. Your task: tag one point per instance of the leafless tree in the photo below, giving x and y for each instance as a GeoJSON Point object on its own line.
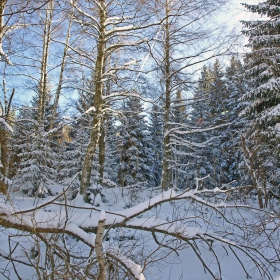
{"type": "Point", "coordinates": [112, 28]}
{"type": "Point", "coordinates": [185, 41]}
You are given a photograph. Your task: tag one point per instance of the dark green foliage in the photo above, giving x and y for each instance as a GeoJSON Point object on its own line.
{"type": "Point", "coordinates": [263, 98]}
{"type": "Point", "coordinates": [136, 149]}
{"type": "Point", "coordinates": [209, 110]}
{"type": "Point", "coordinates": [216, 152]}
{"type": "Point", "coordinates": [262, 64]}
{"type": "Point", "coordinates": [75, 149]}
{"type": "Point", "coordinates": [37, 161]}
{"type": "Point", "coordinates": [231, 154]}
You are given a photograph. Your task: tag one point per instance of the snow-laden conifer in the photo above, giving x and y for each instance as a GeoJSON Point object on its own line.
{"type": "Point", "coordinates": [263, 99]}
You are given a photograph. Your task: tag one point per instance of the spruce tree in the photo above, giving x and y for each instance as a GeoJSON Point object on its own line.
{"type": "Point", "coordinates": [199, 164]}
{"type": "Point", "coordinates": [38, 162]}
{"type": "Point", "coordinates": [218, 114]}
{"type": "Point", "coordinates": [231, 155]}
{"type": "Point", "coordinates": [209, 110]}
{"type": "Point", "coordinates": [136, 159]}
{"type": "Point", "coordinates": [262, 64]}
{"type": "Point", "coordinates": [177, 145]}
{"type": "Point", "coordinates": [74, 153]}
{"type": "Point", "coordinates": [114, 141]}
{"type": "Point", "coordinates": [263, 109]}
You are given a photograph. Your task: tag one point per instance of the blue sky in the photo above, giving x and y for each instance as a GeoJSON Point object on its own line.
{"type": "Point", "coordinates": [231, 15]}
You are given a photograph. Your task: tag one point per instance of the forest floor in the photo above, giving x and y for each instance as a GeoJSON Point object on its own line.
{"type": "Point", "coordinates": [159, 261]}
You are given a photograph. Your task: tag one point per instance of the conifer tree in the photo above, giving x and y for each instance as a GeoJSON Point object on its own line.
{"type": "Point", "coordinates": [209, 110]}
{"type": "Point", "coordinates": [136, 149]}
{"type": "Point", "coordinates": [38, 162]}
{"type": "Point", "coordinates": [199, 155]}
{"type": "Point", "coordinates": [231, 148]}
{"type": "Point", "coordinates": [179, 113]}
{"type": "Point", "coordinates": [263, 71]}
{"type": "Point", "coordinates": [218, 116]}
{"type": "Point", "coordinates": [114, 141]}
{"type": "Point", "coordinates": [218, 93]}
{"type": "Point", "coordinates": [74, 153]}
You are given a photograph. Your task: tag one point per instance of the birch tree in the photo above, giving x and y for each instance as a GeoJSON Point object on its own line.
{"type": "Point", "coordinates": [37, 144]}
{"type": "Point", "coordinates": [113, 27]}
{"type": "Point", "coordinates": [11, 19]}
{"type": "Point", "coordinates": [186, 42]}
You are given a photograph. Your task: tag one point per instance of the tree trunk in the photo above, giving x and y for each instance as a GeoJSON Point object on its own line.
{"type": "Point", "coordinates": [98, 101]}
{"type": "Point", "coordinates": [62, 68]}
{"type": "Point", "coordinates": [166, 168]}
{"type": "Point", "coordinates": [101, 157]}
{"type": "Point", "coordinates": [250, 165]}
{"type": "Point", "coordinates": [2, 9]}
{"type": "Point", "coordinates": [99, 248]}
{"type": "Point", "coordinates": [5, 153]}
{"type": "Point", "coordinates": [3, 55]}
{"type": "Point", "coordinates": [43, 84]}
{"type": "Point", "coordinates": [5, 135]}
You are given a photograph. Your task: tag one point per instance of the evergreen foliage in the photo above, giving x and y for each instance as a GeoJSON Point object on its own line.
{"type": "Point", "coordinates": [209, 110]}
{"type": "Point", "coordinates": [75, 150]}
{"type": "Point", "coordinates": [231, 149]}
{"type": "Point", "coordinates": [263, 109]}
{"type": "Point", "coordinates": [216, 152]}
{"type": "Point", "coordinates": [199, 163]}
{"type": "Point", "coordinates": [37, 163]}
{"type": "Point", "coordinates": [136, 154]}
{"type": "Point", "coordinates": [182, 162]}
{"type": "Point", "coordinates": [262, 64]}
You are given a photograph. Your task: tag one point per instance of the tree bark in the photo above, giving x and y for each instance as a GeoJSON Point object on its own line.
{"type": "Point", "coordinates": [3, 30]}
{"type": "Point", "coordinates": [98, 101]}
{"type": "Point", "coordinates": [99, 249]}
{"type": "Point", "coordinates": [166, 168]}
{"type": "Point", "coordinates": [5, 136]}
{"type": "Point", "coordinates": [61, 74]}
{"type": "Point", "coordinates": [251, 170]}
{"type": "Point", "coordinates": [101, 157]}
{"type": "Point", "coordinates": [43, 84]}
{"type": "Point", "coordinates": [5, 159]}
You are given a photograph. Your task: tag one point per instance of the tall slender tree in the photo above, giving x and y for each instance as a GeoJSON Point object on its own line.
{"type": "Point", "coordinates": [156, 130]}
{"type": "Point", "coordinates": [114, 27]}
{"type": "Point", "coordinates": [177, 52]}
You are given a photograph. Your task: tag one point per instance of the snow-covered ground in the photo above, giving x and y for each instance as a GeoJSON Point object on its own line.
{"type": "Point", "coordinates": [200, 227]}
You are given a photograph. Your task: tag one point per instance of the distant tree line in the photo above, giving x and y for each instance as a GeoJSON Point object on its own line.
{"type": "Point", "coordinates": [140, 116]}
